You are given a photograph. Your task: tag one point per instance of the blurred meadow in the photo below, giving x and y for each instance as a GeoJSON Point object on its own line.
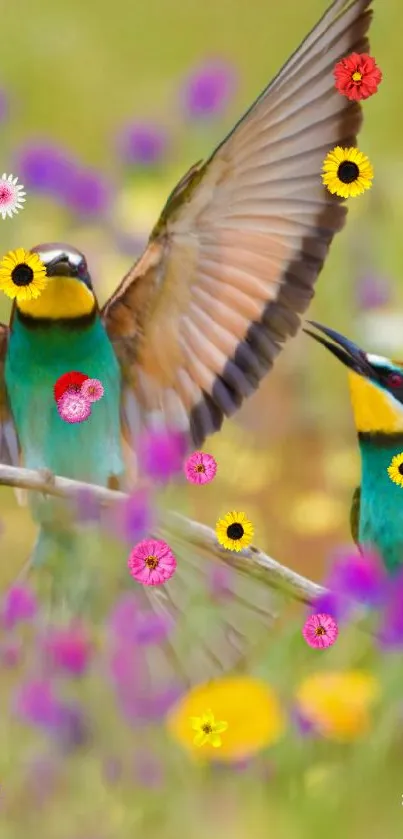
{"type": "Point", "coordinates": [102, 109]}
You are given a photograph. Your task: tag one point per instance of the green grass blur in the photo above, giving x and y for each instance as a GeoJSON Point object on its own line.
{"type": "Point", "coordinates": [74, 73]}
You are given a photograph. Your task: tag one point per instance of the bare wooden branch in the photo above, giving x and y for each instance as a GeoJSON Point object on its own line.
{"type": "Point", "coordinates": [250, 560]}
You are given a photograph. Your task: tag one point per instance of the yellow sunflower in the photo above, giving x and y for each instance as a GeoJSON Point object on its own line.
{"type": "Point", "coordinates": [347, 172]}
{"type": "Point", "coordinates": [22, 275]}
{"type": "Point", "coordinates": [246, 709]}
{"type": "Point", "coordinates": [395, 469]}
{"type": "Point", "coordinates": [234, 531]}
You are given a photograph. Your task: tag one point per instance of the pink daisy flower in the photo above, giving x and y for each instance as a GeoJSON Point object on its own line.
{"type": "Point", "coordinates": [92, 389]}
{"type": "Point", "coordinates": [320, 631]}
{"type": "Point", "coordinates": [73, 407]}
{"type": "Point", "coordinates": [152, 562]}
{"type": "Point", "coordinates": [200, 468]}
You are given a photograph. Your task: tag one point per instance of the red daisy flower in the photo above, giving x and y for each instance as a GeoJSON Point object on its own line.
{"type": "Point", "coordinates": [357, 76]}
{"type": "Point", "coordinates": [69, 381]}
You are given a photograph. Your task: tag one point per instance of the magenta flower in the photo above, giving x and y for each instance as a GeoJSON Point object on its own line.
{"type": "Point", "coordinates": [92, 389]}
{"type": "Point", "coordinates": [152, 562]}
{"type": "Point", "coordinates": [200, 468]}
{"type": "Point", "coordinates": [161, 453]}
{"type": "Point", "coordinates": [320, 631]}
{"type": "Point", "coordinates": [208, 89]}
{"type": "Point", "coordinates": [143, 143]}
{"type": "Point", "coordinates": [73, 407]}
{"type": "Point", "coordinates": [19, 604]}
{"type": "Point", "coordinates": [67, 649]}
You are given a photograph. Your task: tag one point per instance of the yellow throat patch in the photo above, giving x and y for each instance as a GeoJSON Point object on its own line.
{"type": "Point", "coordinates": [63, 297]}
{"type": "Point", "coordinates": [374, 410]}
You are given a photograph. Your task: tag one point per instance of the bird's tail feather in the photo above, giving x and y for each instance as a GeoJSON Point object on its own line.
{"type": "Point", "coordinates": [220, 615]}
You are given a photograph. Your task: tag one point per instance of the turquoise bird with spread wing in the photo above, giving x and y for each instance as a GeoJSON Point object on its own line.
{"type": "Point", "coordinates": [199, 319]}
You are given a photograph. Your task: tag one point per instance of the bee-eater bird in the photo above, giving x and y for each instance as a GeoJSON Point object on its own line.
{"type": "Point", "coordinates": [199, 319]}
{"type": "Point", "coordinates": [376, 387]}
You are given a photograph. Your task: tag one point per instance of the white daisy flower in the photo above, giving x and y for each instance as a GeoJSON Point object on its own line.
{"type": "Point", "coordinates": [11, 196]}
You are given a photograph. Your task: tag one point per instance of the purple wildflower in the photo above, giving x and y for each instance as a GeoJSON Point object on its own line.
{"type": "Point", "coordinates": [45, 168]}
{"type": "Point", "coordinates": [130, 624]}
{"type": "Point", "coordinates": [70, 728]}
{"type": "Point", "coordinates": [208, 89]}
{"type": "Point", "coordinates": [135, 516]}
{"type": "Point", "coordinates": [153, 628]}
{"type": "Point", "coordinates": [372, 292]}
{"type": "Point", "coordinates": [127, 667]}
{"type": "Point", "coordinates": [145, 706]}
{"type": "Point", "coordinates": [360, 576]}
{"type": "Point", "coordinates": [161, 454]}
{"type": "Point", "coordinates": [67, 649]}
{"type": "Point", "coordinates": [331, 603]}
{"type": "Point", "coordinates": [37, 704]}
{"type": "Point", "coordinates": [303, 725]}
{"type": "Point", "coordinates": [143, 143]}
{"type": "Point", "coordinates": [19, 604]}
{"type": "Point", "coordinates": [390, 634]}
{"type": "Point", "coordinates": [87, 193]}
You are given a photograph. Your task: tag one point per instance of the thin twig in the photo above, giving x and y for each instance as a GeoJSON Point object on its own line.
{"type": "Point", "coordinates": [249, 560]}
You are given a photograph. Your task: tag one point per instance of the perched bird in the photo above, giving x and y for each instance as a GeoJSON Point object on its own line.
{"type": "Point", "coordinates": [199, 319]}
{"type": "Point", "coordinates": [376, 386]}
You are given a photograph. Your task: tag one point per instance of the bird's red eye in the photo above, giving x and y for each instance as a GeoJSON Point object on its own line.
{"type": "Point", "coordinates": [395, 380]}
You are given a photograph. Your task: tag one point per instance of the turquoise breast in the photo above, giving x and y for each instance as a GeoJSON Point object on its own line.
{"type": "Point", "coordinates": [381, 509]}
{"type": "Point", "coordinates": [36, 358]}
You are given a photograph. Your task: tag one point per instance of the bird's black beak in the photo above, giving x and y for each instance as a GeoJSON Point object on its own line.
{"type": "Point", "coordinates": [61, 267]}
{"type": "Point", "coordinates": [348, 353]}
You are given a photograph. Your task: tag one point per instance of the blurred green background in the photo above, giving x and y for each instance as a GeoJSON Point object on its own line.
{"type": "Point", "coordinates": [75, 73]}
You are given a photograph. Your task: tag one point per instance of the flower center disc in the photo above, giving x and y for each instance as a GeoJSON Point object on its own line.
{"type": "Point", "coordinates": [400, 468]}
{"type": "Point", "coordinates": [22, 274]}
{"type": "Point", "coordinates": [356, 77]}
{"type": "Point", "coordinates": [206, 728]}
{"type": "Point", "coordinates": [235, 531]}
{"type": "Point", "coordinates": [320, 631]}
{"type": "Point", "coordinates": [152, 562]}
{"type": "Point", "coordinates": [200, 468]}
{"type": "Point", "coordinates": [348, 172]}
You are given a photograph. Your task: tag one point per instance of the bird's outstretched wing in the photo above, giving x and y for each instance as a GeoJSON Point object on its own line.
{"type": "Point", "coordinates": [233, 259]}
{"type": "Point", "coordinates": [9, 449]}
{"type": "Point", "coordinates": [355, 514]}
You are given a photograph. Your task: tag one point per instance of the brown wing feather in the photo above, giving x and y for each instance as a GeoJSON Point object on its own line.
{"type": "Point", "coordinates": [233, 260]}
